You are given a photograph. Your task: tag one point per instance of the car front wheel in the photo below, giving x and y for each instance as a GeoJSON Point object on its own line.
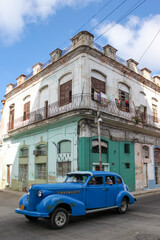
{"type": "Point", "coordinates": [124, 206]}
{"type": "Point", "coordinates": [59, 218]}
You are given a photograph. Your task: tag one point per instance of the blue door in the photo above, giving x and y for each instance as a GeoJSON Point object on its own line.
{"type": "Point", "coordinates": [111, 191]}
{"type": "Point", "coordinates": [95, 193]}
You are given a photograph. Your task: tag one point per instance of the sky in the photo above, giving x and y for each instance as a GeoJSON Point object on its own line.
{"type": "Point", "coordinates": [31, 29]}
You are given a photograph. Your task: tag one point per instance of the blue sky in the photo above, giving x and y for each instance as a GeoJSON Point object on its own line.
{"type": "Point", "coordinates": [31, 29]}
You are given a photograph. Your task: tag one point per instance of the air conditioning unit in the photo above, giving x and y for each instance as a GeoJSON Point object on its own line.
{"type": "Point", "coordinates": [37, 152]}
{"type": "Point", "coordinates": [38, 117]}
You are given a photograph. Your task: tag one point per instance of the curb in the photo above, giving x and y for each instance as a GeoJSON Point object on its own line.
{"type": "Point", "coordinates": [145, 192]}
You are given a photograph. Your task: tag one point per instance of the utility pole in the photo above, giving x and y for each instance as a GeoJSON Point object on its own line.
{"type": "Point", "coordinates": [99, 119]}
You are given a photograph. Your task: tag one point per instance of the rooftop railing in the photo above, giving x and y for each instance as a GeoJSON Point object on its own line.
{"type": "Point", "coordinates": [84, 101]}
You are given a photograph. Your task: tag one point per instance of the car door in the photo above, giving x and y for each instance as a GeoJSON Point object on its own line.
{"type": "Point", "coordinates": [95, 193]}
{"type": "Point", "coordinates": [111, 191]}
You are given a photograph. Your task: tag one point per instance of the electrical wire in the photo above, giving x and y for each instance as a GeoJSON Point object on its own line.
{"type": "Point", "coordinates": [108, 15]}
{"type": "Point", "coordinates": [149, 45]}
{"type": "Point", "coordinates": [86, 22]}
{"type": "Point", "coordinates": [134, 7]}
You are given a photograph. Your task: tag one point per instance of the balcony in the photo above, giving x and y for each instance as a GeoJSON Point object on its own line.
{"type": "Point", "coordinates": [85, 102]}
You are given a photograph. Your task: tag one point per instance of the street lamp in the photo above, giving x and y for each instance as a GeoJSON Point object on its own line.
{"type": "Point", "coordinates": [99, 119]}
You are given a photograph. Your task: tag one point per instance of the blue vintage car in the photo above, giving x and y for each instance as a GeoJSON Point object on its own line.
{"type": "Point", "coordinates": [81, 193]}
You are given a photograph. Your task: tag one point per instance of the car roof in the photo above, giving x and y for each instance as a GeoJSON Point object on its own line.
{"type": "Point", "coordinates": [94, 173]}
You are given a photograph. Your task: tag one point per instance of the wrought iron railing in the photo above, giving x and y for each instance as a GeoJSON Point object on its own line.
{"type": "Point", "coordinates": [84, 101]}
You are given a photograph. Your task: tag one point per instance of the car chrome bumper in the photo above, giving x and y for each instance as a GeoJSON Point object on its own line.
{"type": "Point", "coordinates": [32, 214]}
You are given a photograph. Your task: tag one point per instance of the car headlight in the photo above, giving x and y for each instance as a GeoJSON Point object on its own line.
{"type": "Point", "coordinates": [40, 193]}
{"type": "Point", "coordinates": [29, 191]}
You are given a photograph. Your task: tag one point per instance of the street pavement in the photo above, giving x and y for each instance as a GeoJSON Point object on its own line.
{"type": "Point", "coordinates": [142, 222]}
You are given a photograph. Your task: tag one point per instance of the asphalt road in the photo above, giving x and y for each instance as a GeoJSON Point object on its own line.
{"type": "Point", "coordinates": [142, 221]}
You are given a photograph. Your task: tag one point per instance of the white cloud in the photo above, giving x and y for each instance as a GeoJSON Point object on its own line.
{"type": "Point", "coordinates": [133, 38]}
{"type": "Point", "coordinates": [15, 14]}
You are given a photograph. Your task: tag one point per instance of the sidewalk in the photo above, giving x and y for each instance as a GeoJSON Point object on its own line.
{"type": "Point", "coordinates": [135, 193]}
{"type": "Point", "coordinates": [145, 191]}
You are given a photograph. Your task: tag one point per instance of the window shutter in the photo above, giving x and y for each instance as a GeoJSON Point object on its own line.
{"type": "Point", "coordinates": [66, 93]}
{"type": "Point", "coordinates": [98, 85]}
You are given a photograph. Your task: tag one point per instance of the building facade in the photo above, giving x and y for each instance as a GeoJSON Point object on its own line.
{"type": "Point", "coordinates": [49, 118]}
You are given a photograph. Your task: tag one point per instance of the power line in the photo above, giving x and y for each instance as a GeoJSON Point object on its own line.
{"type": "Point", "coordinates": [134, 7]}
{"type": "Point", "coordinates": [108, 15]}
{"type": "Point", "coordinates": [86, 22]}
{"type": "Point", "coordinates": [149, 46]}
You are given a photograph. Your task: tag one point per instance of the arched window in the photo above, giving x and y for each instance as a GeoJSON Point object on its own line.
{"type": "Point", "coordinates": [123, 101]}
{"type": "Point", "coordinates": [26, 110]}
{"type": "Point", "coordinates": [64, 158]}
{"type": "Point", "coordinates": [42, 150]}
{"type": "Point", "coordinates": [65, 94]}
{"type": "Point", "coordinates": [145, 151]}
{"type": "Point", "coordinates": [65, 146]}
{"type": "Point", "coordinates": [98, 85]}
{"type": "Point", "coordinates": [95, 146]}
{"type": "Point", "coordinates": [23, 153]}
{"type": "Point", "coordinates": [11, 117]}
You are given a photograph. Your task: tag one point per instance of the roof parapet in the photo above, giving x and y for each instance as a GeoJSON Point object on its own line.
{"type": "Point", "coordinates": [132, 64]}
{"type": "Point", "coordinates": [55, 55]}
{"type": "Point", "coordinates": [82, 38]}
{"type": "Point", "coordinates": [37, 68]}
{"type": "Point", "coordinates": [110, 51]}
{"type": "Point", "coordinates": [146, 73]}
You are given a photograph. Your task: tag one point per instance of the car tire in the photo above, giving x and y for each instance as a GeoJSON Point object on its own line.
{"type": "Point", "coordinates": [59, 218]}
{"type": "Point", "coordinates": [32, 219]}
{"type": "Point", "coordinates": [124, 206]}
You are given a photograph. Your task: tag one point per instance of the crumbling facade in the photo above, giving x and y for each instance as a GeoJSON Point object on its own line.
{"type": "Point", "coordinates": [49, 118]}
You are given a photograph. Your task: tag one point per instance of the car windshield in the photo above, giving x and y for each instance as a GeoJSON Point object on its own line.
{"type": "Point", "coordinates": [76, 178]}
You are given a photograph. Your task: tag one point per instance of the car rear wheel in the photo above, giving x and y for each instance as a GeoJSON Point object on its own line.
{"type": "Point", "coordinates": [124, 206]}
{"type": "Point", "coordinates": [32, 219]}
{"type": "Point", "coordinates": [59, 218]}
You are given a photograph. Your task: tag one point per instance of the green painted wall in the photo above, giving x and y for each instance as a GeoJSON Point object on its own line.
{"type": "Point", "coordinates": [116, 157]}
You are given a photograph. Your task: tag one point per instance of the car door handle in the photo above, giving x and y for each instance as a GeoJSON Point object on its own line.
{"type": "Point", "coordinates": [105, 189]}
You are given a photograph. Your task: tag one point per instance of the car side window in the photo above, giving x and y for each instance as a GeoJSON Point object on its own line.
{"type": "Point", "coordinates": [119, 181]}
{"type": "Point", "coordinates": [110, 180]}
{"type": "Point", "coordinates": [96, 181]}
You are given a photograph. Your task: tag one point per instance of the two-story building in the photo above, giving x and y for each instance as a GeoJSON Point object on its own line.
{"type": "Point", "coordinates": [49, 118]}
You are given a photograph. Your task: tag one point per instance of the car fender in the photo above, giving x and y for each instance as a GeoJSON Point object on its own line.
{"type": "Point", "coordinates": [23, 200]}
{"type": "Point", "coordinates": [49, 203]}
{"type": "Point", "coordinates": [123, 194]}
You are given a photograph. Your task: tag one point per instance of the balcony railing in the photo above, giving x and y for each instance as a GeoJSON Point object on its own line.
{"type": "Point", "coordinates": [84, 101]}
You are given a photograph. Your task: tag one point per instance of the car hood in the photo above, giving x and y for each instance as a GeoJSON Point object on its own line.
{"type": "Point", "coordinates": [57, 186]}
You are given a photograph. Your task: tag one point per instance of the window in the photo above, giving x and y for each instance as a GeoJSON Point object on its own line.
{"type": "Point", "coordinates": [23, 152]}
{"type": "Point", "coordinates": [96, 181]}
{"type": "Point", "coordinates": [26, 113]}
{"type": "Point", "coordinates": [46, 109]}
{"type": "Point", "coordinates": [157, 165]}
{"type": "Point", "coordinates": [63, 168]}
{"type": "Point", "coordinates": [11, 118]}
{"type": "Point", "coordinates": [119, 181]}
{"type": "Point", "coordinates": [155, 114]}
{"type": "Point", "coordinates": [127, 165]}
{"type": "Point", "coordinates": [95, 146]}
{"type": "Point", "coordinates": [97, 87]}
{"type": "Point", "coordinates": [41, 170]}
{"type": "Point", "coordinates": [97, 168]}
{"type": "Point", "coordinates": [65, 146]}
{"type": "Point", "coordinates": [126, 148]}
{"type": "Point", "coordinates": [42, 150]}
{"type": "Point", "coordinates": [110, 180]}
{"type": "Point", "coordinates": [23, 172]}
{"type": "Point", "coordinates": [145, 152]}
{"type": "Point", "coordinates": [66, 93]}
{"type": "Point", "coordinates": [124, 100]}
